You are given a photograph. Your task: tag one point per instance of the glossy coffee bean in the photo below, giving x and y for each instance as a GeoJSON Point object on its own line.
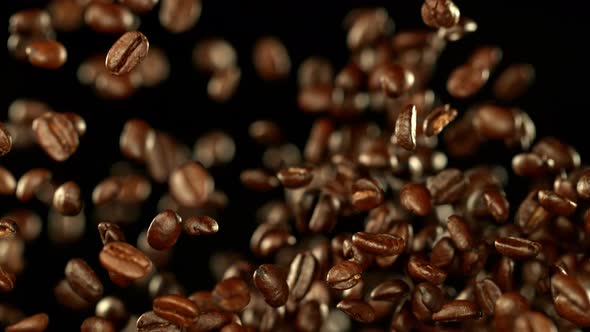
{"type": "Point", "coordinates": [344, 275]}
{"type": "Point", "coordinates": [127, 52]}
{"type": "Point", "coordinates": [200, 225]}
{"type": "Point", "coordinates": [48, 54]}
{"type": "Point", "coordinates": [67, 199]}
{"type": "Point", "coordinates": [271, 281]}
{"type": "Point", "coordinates": [176, 309]}
{"type": "Point", "coordinates": [232, 294]}
{"type": "Point", "coordinates": [190, 184]}
{"type": "Point", "coordinates": [416, 198]}
{"type": "Point", "coordinates": [83, 280]}
{"type": "Point", "coordinates": [164, 230]}
{"type": "Point", "coordinates": [126, 260]}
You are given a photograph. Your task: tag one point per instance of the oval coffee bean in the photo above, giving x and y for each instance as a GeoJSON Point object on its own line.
{"type": "Point", "coordinates": [366, 194]}
{"type": "Point", "coordinates": [555, 203]}
{"type": "Point", "coordinates": [56, 134]}
{"type": "Point", "coordinates": [302, 272]}
{"type": "Point", "coordinates": [127, 52]}
{"type": "Point", "coordinates": [440, 13]}
{"type": "Point", "coordinates": [379, 244]}
{"type": "Point", "coordinates": [416, 198]}
{"type": "Point", "coordinates": [190, 184]}
{"type": "Point", "coordinates": [200, 225]}
{"type": "Point", "coordinates": [83, 280]}
{"type": "Point", "coordinates": [139, 6]}
{"type": "Point", "coordinates": [486, 294]}
{"type": "Point", "coordinates": [7, 280]}
{"type": "Point", "coordinates": [48, 54]}
{"type": "Point", "coordinates": [391, 290]}
{"type": "Point", "coordinates": [271, 281]}
{"type": "Point", "coordinates": [164, 230]}
{"type": "Point", "coordinates": [30, 182]}
{"type": "Point", "coordinates": [344, 275]}
{"type": "Point", "coordinates": [133, 138]}
{"type": "Point", "coordinates": [67, 199]}
{"type": "Point", "coordinates": [422, 270]}
{"type": "Point", "coordinates": [176, 309]}
{"type": "Point", "coordinates": [460, 233]}
{"type": "Point", "coordinates": [97, 324]}
{"type": "Point", "coordinates": [426, 300]}
{"type": "Point", "coordinates": [295, 177]}
{"type": "Point", "coordinates": [179, 16]}
{"type": "Point", "coordinates": [534, 322]}
{"type": "Point", "coordinates": [150, 322]}
{"type": "Point", "coordinates": [465, 81]}
{"type": "Point", "coordinates": [494, 122]}
{"type": "Point", "coordinates": [515, 247]}
{"type": "Point", "coordinates": [405, 128]}
{"type": "Point", "coordinates": [438, 119]}
{"type": "Point", "coordinates": [456, 311]}
{"type": "Point", "coordinates": [508, 307]}
{"type": "Point", "coordinates": [514, 81]}
{"type": "Point", "coordinates": [447, 186]}
{"type": "Point", "coordinates": [126, 260]}
{"type": "Point", "coordinates": [358, 310]}
{"type": "Point", "coordinates": [232, 294]}
{"type": "Point", "coordinates": [8, 227]}
{"type": "Point", "coordinates": [393, 79]}
{"type": "Point", "coordinates": [5, 140]}
{"type": "Point", "coordinates": [109, 18]}
{"type": "Point", "coordinates": [35, 323]}
{"type": "Point", "coordinates": [271, 59]}
{"type": "Point", "coordinates": [569, 288]}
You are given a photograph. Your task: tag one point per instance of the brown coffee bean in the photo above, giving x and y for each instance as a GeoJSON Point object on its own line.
{"type": "Point", "coordinates": [508, 307]}
{"type": "Point", "coordinates": [7, 280]}
{"type": "Point", "coordinates": [583, 185]}
{"type": "Point", "coordinates": [164, 230]}
{"type": "Point", "coordinates": [67, 199]}
{"type": "Point", "coordinates": [447, 186]}
{"type": "Point", "coordinates": [438, 119]}
{"type": "Point", "coordinates": [110, 232]}
{"type": "Point", "coordinates": [30, 182]}
{"type": "Point", "coordinates": [106, 191]}
{"type": "Point", "coordinates": [66, 15]}
{"type": "Point", "coordinates": [443, 253]}
{"type": "Point", "coordinates": [271, 59]}
{"type": "Point", "coordinates": [566, 309]}
{"type": "Point", "coordinates": [139, 6]}
{"type": "Point", "coordinates": [514, 81]}
{"type": "Point", "coordinates": [214, 55]}
{"type": "Point", "coordinates": [465, 81]}
{"type": "Point", "coordinates": [5, 140]}
{"type": "Point", "coordinates": [175, 309]}
{"type": "Point", "coordinates": [126, 260]}
{"type": "Point", "coordinates": [309, 317]}
{"type": "Point", "coordinates": [200, 225]}
{"type": "Point", "coordinates": [530, 215]}
{"type": "Point", "coordinates": [358, 310]}
{"type": "Point", "coordinates": [568, 287]}
{"type": "Point", "coordinates": [486, 294]}
{"type": "Point", "coordinates": [440, 13]}
{"type": "Point", "coordinates": [366, 194]}
{"type": "Point", "coordinates": [48, 54]}
{"type": "Point", "coordinates": [133, 138]}
{"type": "Point", "coordinates": [314, 71]}
{"type": "Point", "coordinates": [83, 280]}
{"type": "Point", "coordinates": [534, 322]}
{"type": "Point", "coordinates": [426, 300]}
{"type": "Point", "coordinates": [497, 205]}
{"type": "Point", "coordinates": [494, 122]}
{"type": "Point", "coordinates": [460, 233]}
{"type": "Point", "coordinates": [366, 26]}
{"type": "Point", "coordinates": [416, 198]}
{"type": "Point", "coordinates": [486, 57]}
{"type": "Point", "coordinates": [211, 321]}
{"type": "Point", "coordinates": [258, 180]}
{"type": "Point", "coordinates": [555, 203]}
{"type": "Point", "coordinates": [35, 323]}
{"type": "Point", "coordinates": [56, 134]}
{"type": "Point", "coordinates": [423, 270]}
{"type": "Point", "coordinates": [529, 164]}
{"type": "Point", "coordinates": [223, 84]}
{"type": "Point", "coordinates": [344, 275]}
{"type": "Point", "coordinates": [551, 148]}
{"type": "Point", "coordinates": [67, 298]}
{"type": "Point", "coordinates": [109, 18]}
{"type": "Point", "coordinates": [295, 177]}
{"type": "Point", "coordinates": [109, 86]}
{"type": "Point", "coordinates": [517, 248]}
{"type": "Point", "coordinates": [30, 22]}
{"type": "Point", "coordinates": [190, 184]}
{"type": "Point", "coordinates": [78, 122]}
{"type": "Point", "coordinates": [391, 290]}
{"type": "Point", "coordinates": [271, 282]}
{"type": "Point", "coordinates": [178, 16]}
{"type": "Point", "coordinates": [457, 311]}
{"type": "Point", "coordinates": [302, 272]}
{"type": "Point", "coordinates": [379, 244]}
{"type": "Point", "coordinates": [155, 67]}
{"type": "Point", "coordinates": [232, 294]}
{"type": "Point", "coordinates": [96, 324]}
{"type": "Point", "coordinates": [127, 52]}
{"type": "Point", "coordinates": [394, 80]}
{"type": "Point", "coordinates": [150, 322]}
{"type": "Point", "coordinates": [214, 148]}
{"type": "Point", "coordinates": [405, 128]}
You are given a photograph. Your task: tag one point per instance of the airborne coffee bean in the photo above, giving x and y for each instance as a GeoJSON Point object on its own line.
{"type": "Point", "coordinates": [127, 52]}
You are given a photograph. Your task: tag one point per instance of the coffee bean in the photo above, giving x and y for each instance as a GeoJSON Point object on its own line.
{"type": "Point", "coordinates": [126, 260]}
{"type": "Point", "coordinates": [66, 15]}
{"type": "Point", "coordinates": [344, 275]}
{"type": "Point", "coordinates": [109, 86]}
{"type": "Point", "coordinates": [7, 280]}
{"type": "Point", "coordinates": [405, 128]}
{"type": "Point", "coordinates": [112, 309]}
{"type": "Point", "coordinates": [258, 180]}
{"type": "Point", "coordinates": [271, 59]}
{"type": "Point", "coordinates": [109, 18]}
{"type": "Point", "coordinates": [200, 225]}
{"type": "Point", "coordinates": [96, 324]}
{"type": "Point", "coordinates": [133, 138]}
{"type": "Point", "coordinates": [29, 22]}
{"type": "Point", "coordinates": [440, 13]}
{"type": "Point", "coordinates": [426, 300]}
{"type": "Point", "coordinates": [379, 244]}
{"type": "Point", "coordinates": [443, 253]}
{"type": "Point", "coordinates": [358, 310]}
{"type": "Point", "coordinates": [555, 203]}
{"type": "Point", "coordinates": [460, 233]}
{"type": "Point", "coordinates": [494, 122]}
{"type": "Point", "coordinates": [566, 309]}
{"type": "Point", "coordinates": [295, 177]}
{"type": "Point", "coordinates": [5, 140]}
{"type": "Point", "coordinates": [106, 191]}
{"type": "Point", "coordinates": [271, 282]}
{"type": "Point", "coordinates": [529, 164]}
{"type": "Point", "coordinates": [164, 230]}
{"type": "Point", "coordinates": [66, 297]}
{"type": "Point", "coordinates": [178, 16]}
{"type": "Point", "coordinates": [551, 148]}
{"type": "Point", "coordinates": [139, 6]}
{"type": "Point", "coordinates": [155, 67]}
{"type": "Point", "coordinates": [465, 81]}
{"type": "Point", "coordinates": [514, 247]}
{"type": "Point", "coordinates": [457, 311]}
{"type": "Point", "coordinates": [447, 186]}
{"type": "Point", "coordinates": [8, 227]}
{"type": "Point", "coordinates": [530, 215]}
{"type": "Point", "coordinates": [150, 322]}
{"type": "Point", "coordinates": [176, 309]}
{"type": "Point", "coordinates": [56, 134]}
{"type": "Point", "coordinates": [223, 84]}
{"type": "Point", "coordinates": [391, 290]}
{"type": "Point", "coordinates": [302, 272]}
{"type": "Point", "coordinates": [211, 321]}
{"type": "Point", "coordinates": [190, 184]}
{"type": "Point", "coordinates": [232, 294]}
{"type": "Point", "coordinates": [317, 143]}
{"type": "Point", "coordinates": [366, 194]}
{"type": "Point", "coordinates": [213, 55]}
{"type": "Point", "coordinates": [394, 80]}
{"type": "Point", "coordinates": [366, 26]}
{"type": "Point", "coordinates": [30, 182]}
{"type": "Point", "coordinates": [497, 205]}
{"type": "Point", "coordinates": [569, 288]}
{"type": "Point", "coordinates": [214, 148]}
{"type": "Point", "coordinates": [532, 321]}
{"type": "Point", "coordinates": [514, 81]}
{"type": "Point", "coordinates": [423, 270]}
{"type": "Point", "coordinates": [438, 119]}
{"type": "Point", "coordinates": [48, 54]}
{"type": "Point", "coordinates": [416, 198]}
{"type": "Point", "coordinates": [314, 71]}
{"type": "Point", "coordinates": [487, 57]}
{"type": "Point", "coordinates": [486, 294]}
{"type": "Point", "coordinates": [67, 200]}
{"type": "Point", "coordinates": [127, 52]}
{"type": "Point", "coordinates": [110, 232]}
{"type": "Point", "coordinates": [508, 307]}
{"type": "Point", "coordinates": [35, 323]}
{"type": "Point", "coordinates": [83, 280]}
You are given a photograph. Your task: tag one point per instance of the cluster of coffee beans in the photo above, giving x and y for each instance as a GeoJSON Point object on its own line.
{"type": "Point", "coordinates": [366, 228]}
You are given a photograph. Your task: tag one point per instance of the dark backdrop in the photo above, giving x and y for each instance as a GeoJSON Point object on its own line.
{"type": "Point", "coordinates": [550, 35]}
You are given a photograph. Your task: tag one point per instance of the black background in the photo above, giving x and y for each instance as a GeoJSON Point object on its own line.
{"type": "Point", "coordinates": [550, 35]}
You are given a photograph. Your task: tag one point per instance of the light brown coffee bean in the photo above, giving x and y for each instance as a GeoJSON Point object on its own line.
{"type": "Point", "coordinates": [127, 52]}
{"type": "Point", "coordinates": [56, 134]}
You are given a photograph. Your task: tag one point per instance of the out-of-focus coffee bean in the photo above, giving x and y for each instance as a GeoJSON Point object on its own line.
{"type": "Point", "coordinates": [36, 323]}
{"type": "Point", "coordinates": [457, 311]}
{"type": "Point", "coordinates": [416, 198]}
{"type": "Point", "coordinates": [440, 13]}
{"type": "Point", "coordinates": [178, 16]}
{"type": "Point", "coordinates": [271, 59]}
{"type": "Point", "coordinates": [358, 310]}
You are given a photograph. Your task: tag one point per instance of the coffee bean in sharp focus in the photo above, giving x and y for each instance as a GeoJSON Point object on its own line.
{"type": "Point", "coordinates": [176, 309]}
{"type": "Point", "coordinates": [379, 244]}
{"type": "Point", "coordinates": [164, 230]}
{"type": "Point", "coordinates": [179, 16]}
{"type": "Point", "coordinates": [358, 310]}
{"type": "Point", "coordinates": [190, 184]}
{"type": "Point", "coordinates": [67, 199]}
{"type": "Point", "coordinates": [515, 247]}
{"type": "Point", "coordinates": [271, 281]}
{"type": "Point", "coordinates": [422, 270]}
{"type": "Point", "coordinates": [555, 203]}
{"type": "Point", "coordinates": [127, 52]}
{"type": "Point", "coordinates": [344, 275]}
{"type": "Point", "coordinates": [97, 324]}
{"type": "Point", "coordinates": [56, 134]}
{"type": "Point", "coordinates": [271, 59]}
{"type": "Point", "coordinates": [440, 13]}
{"type": "Point", "coordinates": [35, 323]}
{"type": "Point", "coordinates": [126, 260]}
{"type": "Point", "coordinates": [416, 198]}
{"type": "Point", "coordinates": [405, 128]}
{"type": "Point", "coordinates": [83, 280]}
{"type": "Point", "coordinates": [200, 225]}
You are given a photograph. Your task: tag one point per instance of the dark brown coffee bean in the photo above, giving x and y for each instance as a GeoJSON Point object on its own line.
{"type": "Point", "coordinates": [447, 186]}
{"type": "Point", "coordinates": [514, 81]}
{"type": "Point", "coordinates": [497, 205]}
{"type": "Point", "coordinates": [214, 55]}
{"type": "Point", "coordinates": [127, 52]}
{"type": "Point", "coordinates": [150, 322]}
{"type": "Point", "coordinates": [271, 281]}
{"type": "Point", "coordinates": [534, 322]}
{"type": "Point", "coordinates": [350, 78]}
{"type": "Point", "coordinates": [30, 182]}
{"type": "Point", "coordinates": [5, 140]}
{"type": "Point", "coordinates": [379, 244]}
{"type": "Point", "coordinates": [457, 311]}
{"type": "Point", "coordinates": [394, 80]}
{"type": "Point", "coordinates": [440, 13]}
{"type": "Point", "coordinates": [309, 317]}
{"type": "Point", "coordinates": [358, 310]}
{"type": "Point", "coordinates": [494, 122]}
{"type": "Point", "coordinates": [530, 215]}
{"type": "Point", "coordinates": [583, 185]}
{"type": "Point", "coordinates": [133, 138]}
{"type": "Point", "coordinates": [508, 307]}
{"type": "Point", "coordinates": [465, 81]}
{"type": "Point", "coordinates": [48, 54]}
{"type": "Point", "coordinates": [551, 148]}
{"type": "Point", "coordinates": [443, 253]}
{"type": "Point", "coordinates": [568, 287]}
{"type": "Point", "coordinates": [295, 177]}
{"type": "Point", "coordinates": [344, 275]}
{"type": "Point", "coordinates": [566, 309]}
{"type": "Point", "coordinates": [139, 6]}
{"type": "Point", "coordinates": [96, 324]}
{"type": "Point", "coordinates": [438, 119]}
{"type": "Point", "coordinates": [211, 321]}
{"type": "Point", "coordinates": [486, 294]}
{"type": "Point", "coordinates": [271, 59]}
{"type": "Point", "coordinates": [529, 164]}
{"type": "Point", "coordinates": [366, 194]}
{"type": "Point", "coordinates": [517, 248]}
{"type": "Point", "coordinates": [56, 134]}
{"type": "Point", "coordinates": [164, 230]}
{"type": "Point", "coordinates": [109, 86]}
{"type": "Point", "coordinates": [7, 280]}
{"type": "Point", "coordinates": [126, 260]}
{"type": "Point", "coordinates": [391, 290]}
{"type": "Point", "coordinates": [485, 57]}
{"type": "Point", "coordinates": [460, 233]}
{"type": "Point", "coordinates": [317, 142]}
{"type": "Point", "coordinates": [405, 128]}
{"type": "Point", "coordinates": [426, 300]}
{"type": "Point", "coordinates": [67, 199]}
{"type": "Point", "coordinates": [106, 191]}
{"type": "Point", "coordinates": [110, 232]}
{"type": "Point", "coordinates": [223, 84]}
{"type": "Point", "coordinates": [83, 280]}
{"type": "Point", "coordinates": [109, 18]}
{"type": "Point", "coordinates": [416, 198]}
{"type": "Point", "coordinates": [232, 294]}
{"type": "Point", "coordinates": [200, 225]}
{"type": "Point", "coordinates": [66, 15]}
{"type": "Point", "coordinates": [555, 203]}
{"type": "Point", "coordinates": [175, 309]}
{"type": "Point", "coordinates": [178, 16]}
{"type": "Point", "coordinates": [67, 298]}
{"type": "Point", "coordinates": [258, 180]}
{"type": "Point", "coordinates": [190, 184]}
{"type": "Point", "coordinates": [423, 270]}
{"type": "Point", "coordinates": [302, 272]}
{"type": "Point", "coordinates": [35, 323]}
{"type": "Point", "coordinates": [30, 22]}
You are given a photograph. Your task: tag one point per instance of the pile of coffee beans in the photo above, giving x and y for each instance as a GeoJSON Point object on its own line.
{"type": "Point", "coordinates": [363, 227]}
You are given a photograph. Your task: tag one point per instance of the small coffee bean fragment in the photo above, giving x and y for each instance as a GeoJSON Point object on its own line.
{"type": "Point", "coordinates": [127, 52]}
{"type": "Point", "coordinates": [515, 247]}
{"type": "Point", "coordinates": [271, 281]}
{"type": "Point", "coordinates": [405, 128]}
{"type": "Point", "coordinates": [97, 324]}
{"type": "Point", "coordinates": [176, 309]}
{"type": "Point", "coordinates": [83, 280]}
{"type": "Point", "coordinates": [56, 134]}
{"type": "Point", "coordinates": [416, 198]}
{"type": "Point", "coordinates": [358, 310]}
{"type": "Point", "coordinates": [67, 199]}
{"type": "Point", "coordinates": [164, 230]}
{"type": "Point", "coordinates": [344, 275]}
{"type": "Point", "coordinates": [200, 225]}
{"type": "Point", "coordinates": [126, 260]}
{"type": "Point", "coordinates": [35, 323]}
{"type": "Point", "coordinates": [48, 54]}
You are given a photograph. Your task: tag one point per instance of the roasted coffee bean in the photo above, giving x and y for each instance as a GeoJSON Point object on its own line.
{"type": "Point", "coordinates": [486, 294]}
{"type": "Point", "coordinates": [514, 81]}
{"type": "Point", "coordinates": [232, 294]}
{"type": "Point", "coordinates": [426, 300]}
{"type": "Point", "coordinates": [258, 179]}
{"type": "Point", "coordinates": [155, 67]}
{"type": "Point", "coordinates": [583, 185]}
{"type": "Point", "coordinates": [200, 225]}
{"type": "Point", "coordinates": [26, 110]}
{"type": "Point", "coordinates": [295, 177]}
{"type": "Point", "coordinates": [309, 317]}
{"type": "Point", "coordinates": [8, 227]}
{"type": "Point", "coordinates": [67, 199]}
{"type": "Point", "coordinates": [48, 54]}
{"type": "Point", "coordinates": [214, 148]}
{"type": "Point", "coordinates": [302, 272]}
{"type": "Point", "coordinates": [447, 186]}
{"type": "Point", "coordinates": [140, 6]}
{"type": "Point", "coordinates": [366, 26]}
{"type": "Point", "coordinates": [571, 312]}
{"type": "Point", "coordinates": [344, 275]}
{"type": "Point", "coordinates": [126, 260]}
{"type": "Point", "coordinates": [423, 270]}
{"type": "Point", "coordinates": [568, 287]}
{"type": "Point", "coordinates": [176, 309]}
{"type": "Point", "coordinates": [30, 22]}
{"type": "Point", "coordinates": [497, 205]}
{"type": "Point", "coordinates": [133, 138]}
{"type": "Point", "coordinates": [416, 198]}
{"type": "Point", "coordinates": [109, 86]}
{"type": "Point", "coordinates": [110, 232]}
{"type": "Point", "coordinates": [465, 81]}
{"type": "Point", "coordinates": [66, 297]}
{"type": "Point", "coordinates": [35, 323]}
{"type": "Point", "coordinates": [271, 59]}
{"type": "Point", "coordinates": [460, 233]}
{"type": "Point", "coordinates": [83, 280]}
{"type": "Point", "coordinates": [366, 194]}
{"type": "Point", "coordinates": [487, 57]}
{"type": "Point", "coordinates": [314, 71]}
{"type": "Point", "coordinates": [190, 184]}
{"type": "Point", "coordinates": [515, 247]}
{"type": "Point", "coordinates": [56, 134]}
{"type": "Point", "coordinates": [96, 324]}
{"type": "Point", "coordinates": [109, 18]}
{"type": "Point", "coordinates": [223, 84]}
{"type": "Point", "coordinates": [394, 80]}
{"type": "Point", "coordinates": [358, 310]}
{"type": "Point", "coordinates": [164, 230]}
{"type": "Point", "coordinates": [508, 307]}
{"type": "Point", "coordinates": [379, 244]}
{"type": "Point", "coordinates": [78, 122]}
{"type": "Point", "coordinates": [7, 280]}
{"type": "Point", "coordinates": [457, 311]}
{"type": "Point", "coordinates": [106, 191]}
{"type": "Point", "coordinates": [211, 321]}
{"type": "Point", "coordinates": [113, 309]}
{"type": "Point", "coordinates": [494, 122]}
{"type": "Point", "coordinates": [443, 253]}
{"type": "Point", "coordinates": [271, 281]}
{"type": "Point", "coordinates": [5, 140]}
{"type": "Point", "coordinates": [178, 16]}
{"type": "Point", "coordinates": [555, 203]}
{"type": "Point", "coordinates": [438, 119]}
{"type": "Point", "coordinates": [534, 322]}
{"type": "Point", "coordinates": [214, 55]}
{"type": "Point", "coordinates": [150, 322]}
{"type": "Point", "coordinates": [405, 128]}
{"type": "Point", "coordinates": [550, 148]}
{"type": "Point", "coordinates": [127, 52]}
{"type": "Point", "coordinates": [317, 142]}
{"type": "Point", "coordinates": [391, 290]}
{"type": "Point", "coordinates": [440, 13]}
{"type": "Point", "coordinates": [66, 15]}
{"type": "Point", "coordinates": [530, 215]}
{"type": "Point", "coordinates": [504, 274]}
{"type": "Point", "coordinates": [30, 182]}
